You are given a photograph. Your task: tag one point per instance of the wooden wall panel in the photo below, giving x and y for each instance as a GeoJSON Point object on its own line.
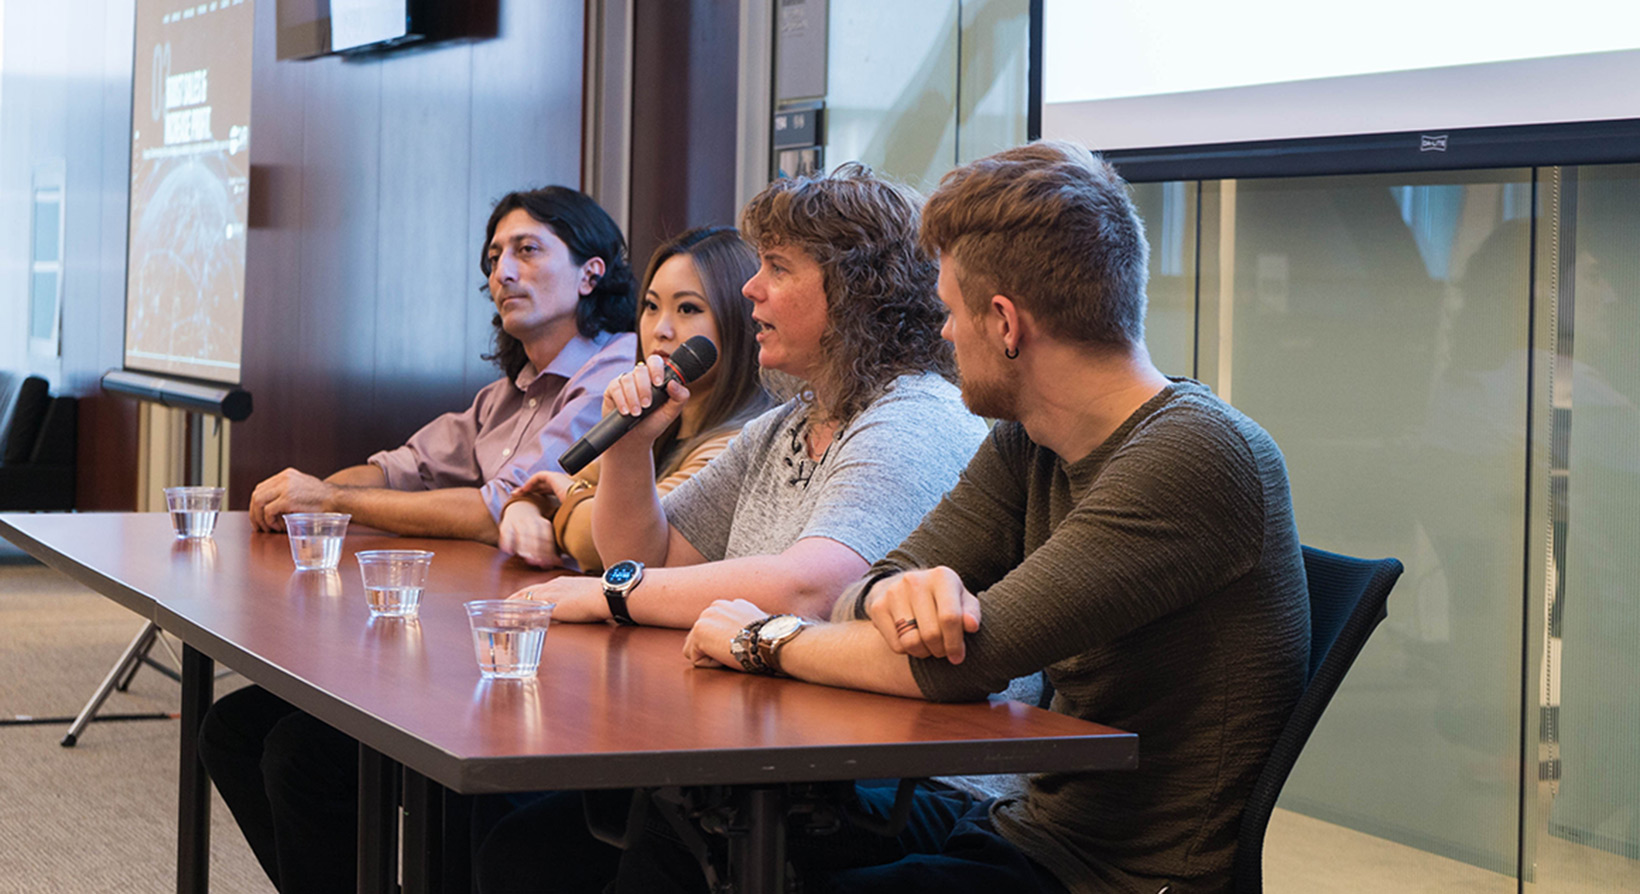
{"type": "Point", "coordinates": [334, 350]}
{"type": "Point", "coordinates": [519, 138]}
{"type": "Point", "coordinates": [273, 269]}
{"type": "Point", "coordinates": [372, 182]}
{"type": "Point", "coordinates": [420, 347]}
{"type": "Point", "coordinates": [683, 119]}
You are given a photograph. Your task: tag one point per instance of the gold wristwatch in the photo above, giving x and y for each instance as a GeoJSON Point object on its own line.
{"type": "Point", "coordinates": [776, 632]}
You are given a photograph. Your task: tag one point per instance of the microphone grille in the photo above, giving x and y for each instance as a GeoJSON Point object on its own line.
{"type": "Point", "coordinates": [694, 357]}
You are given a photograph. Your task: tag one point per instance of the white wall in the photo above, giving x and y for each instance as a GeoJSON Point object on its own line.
{"type": "Point", "coordinates": [65, 70]}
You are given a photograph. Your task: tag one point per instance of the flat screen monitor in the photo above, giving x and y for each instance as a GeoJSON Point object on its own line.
{"type": "Point", "coordinates": [1267, 87]}
{"type": "Point", "coordinates": [309, 28]}
{"type": "Point", "coordinates": [190, 185]}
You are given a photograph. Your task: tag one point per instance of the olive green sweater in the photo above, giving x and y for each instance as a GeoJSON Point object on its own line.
{"type": "Point", "coordinates": [1159, 581]}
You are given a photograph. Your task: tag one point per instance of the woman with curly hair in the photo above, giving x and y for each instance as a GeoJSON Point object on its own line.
{"type": "Point", "coordinates": [815, 490]}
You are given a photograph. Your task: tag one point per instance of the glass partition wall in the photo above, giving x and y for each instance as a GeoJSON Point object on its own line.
{"type": "Point", "coordinates": [1582, 799]}
{"type": "Point", "coordinates": [1451, 364]}
{"type": "Point", "coordinates": [1379, 328]}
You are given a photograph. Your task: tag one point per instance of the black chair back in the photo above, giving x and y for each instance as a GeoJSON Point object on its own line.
{"type": "Point", "coordinates": [1347, 597]}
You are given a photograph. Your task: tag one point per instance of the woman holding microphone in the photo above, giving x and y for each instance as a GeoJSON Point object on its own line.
{"type": "Point", "coordinates": [692, 288]}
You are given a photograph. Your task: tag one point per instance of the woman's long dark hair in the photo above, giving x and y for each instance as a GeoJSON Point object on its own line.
{"type": "Point", "coordinates": [588, 233]}
{"type": "Point", "coordinates": [723, 262]}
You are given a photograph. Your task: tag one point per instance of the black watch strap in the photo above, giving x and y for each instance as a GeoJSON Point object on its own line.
{"type": "Point", "coordinates": [619, 580]}
{"type": "Point", "coordinates": [617, 607]}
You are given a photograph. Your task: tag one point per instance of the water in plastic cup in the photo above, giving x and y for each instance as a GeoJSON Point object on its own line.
{"type": "Point", "coordinates": [507, 636]}
{"type": "Point", "coordinates": [193, 510]}
{"type": "Point", "coordinates": [316, 539]}
{"type": "Point", "coordinates": [393, 580]}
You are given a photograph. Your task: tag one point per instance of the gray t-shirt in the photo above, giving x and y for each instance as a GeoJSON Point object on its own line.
{"type": "Point", "coordinates": [884, 470]}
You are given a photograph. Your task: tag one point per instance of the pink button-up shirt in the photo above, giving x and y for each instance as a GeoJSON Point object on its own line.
{"type": "Point", "coordinates": [513, 429]}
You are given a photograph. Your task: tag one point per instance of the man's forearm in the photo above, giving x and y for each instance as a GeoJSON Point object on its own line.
{"type": "Point", "coordinates": [455, 512]}
{"type": "Point", "coordinates": [850, 655]}
{"type": "Point", "coordinates": [366, 475]}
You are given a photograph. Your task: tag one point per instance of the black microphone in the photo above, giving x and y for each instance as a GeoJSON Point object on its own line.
{"type": "Point", "coordinates": [691, 361]}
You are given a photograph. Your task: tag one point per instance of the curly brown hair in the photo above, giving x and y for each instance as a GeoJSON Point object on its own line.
{"type": "Point", "coordinates": [882, 311]}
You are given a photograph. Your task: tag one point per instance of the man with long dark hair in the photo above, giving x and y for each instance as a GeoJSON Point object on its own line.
{"type": "Point", "coordinates": [557, 272]}
{"type": "Point", "coordinates": [562, 289]}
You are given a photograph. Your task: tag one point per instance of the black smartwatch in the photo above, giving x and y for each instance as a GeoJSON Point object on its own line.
{"type": "Point", "coordinates": [620, 579]}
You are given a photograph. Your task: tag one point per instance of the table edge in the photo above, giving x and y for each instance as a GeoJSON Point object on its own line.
{"type": "Point", "coordinates": [105, 586]}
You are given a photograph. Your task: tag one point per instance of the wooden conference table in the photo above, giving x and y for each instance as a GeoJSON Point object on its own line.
{"type": "Point", "coordinates": [611, 708]}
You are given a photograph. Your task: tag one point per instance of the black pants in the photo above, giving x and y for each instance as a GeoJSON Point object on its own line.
{"type": "Point", "coordinates": [544, 846]}
{"type": "Point", "coordinates": [948, 846]}
{"type": "Point", "coordinates": [291, 782]}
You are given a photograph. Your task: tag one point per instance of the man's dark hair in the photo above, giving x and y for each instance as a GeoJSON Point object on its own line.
{"type": "Point", "coordinates": [588, 233]}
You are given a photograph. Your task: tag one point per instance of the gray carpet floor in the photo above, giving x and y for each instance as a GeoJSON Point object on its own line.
{"type": "Point", "coordinates": [100, 816]}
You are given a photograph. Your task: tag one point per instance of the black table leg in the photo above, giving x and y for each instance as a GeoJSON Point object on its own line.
{"type": "Point", "coordinates": [757, 858]}
{"type": "Point", "coordinates": [378, 822]}
{"type": "Point", "coordinates": [424, 834]}
{"type": "Point", "coordinates": [193, 784]}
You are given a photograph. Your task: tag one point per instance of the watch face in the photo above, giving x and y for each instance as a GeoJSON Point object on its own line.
{"type": "Point", "coordinates": [779, 627]}
{"type": "Point", "coordinates": [620, 573]}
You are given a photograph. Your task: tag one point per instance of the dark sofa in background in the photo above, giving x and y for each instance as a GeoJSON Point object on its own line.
{"type": "Point", "coordinates": [37, 442]}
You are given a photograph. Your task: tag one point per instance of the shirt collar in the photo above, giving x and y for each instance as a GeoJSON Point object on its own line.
{"type": "Point", "coordinates": [574, 355]}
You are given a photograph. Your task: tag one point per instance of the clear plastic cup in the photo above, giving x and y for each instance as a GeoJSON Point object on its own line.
{"type": "Point", "coordinates": [393, 580]}
{"type": "Point", "coordinates": [316, 539]}
{"type": "Point", "coordinates": [507, 636]}
{"type": "Point", "coordinates": [193, 510]}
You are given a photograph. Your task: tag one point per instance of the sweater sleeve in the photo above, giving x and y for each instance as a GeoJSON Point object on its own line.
{"type": "Point", "coordinates": [1175, 512]}
{"type": "Point", "coordinates": [697, 459]}
{"type": "Point", "coordinates": [575, 527]}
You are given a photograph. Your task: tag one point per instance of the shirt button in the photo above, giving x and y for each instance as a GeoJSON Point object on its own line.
{"type": "Point", "coordinates": [506, 451]}
{"type": "Point", "coordinates": [534, 401]}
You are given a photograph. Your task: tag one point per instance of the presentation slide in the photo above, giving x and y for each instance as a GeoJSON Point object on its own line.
{"type": "Point", "coordinates": [1122, 76]}
{"type": "Point", "coordinates": [190, 173]}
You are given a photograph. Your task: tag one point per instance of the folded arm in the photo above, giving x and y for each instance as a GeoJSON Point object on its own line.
{"type": "Point", "coordinates": [850, 655]}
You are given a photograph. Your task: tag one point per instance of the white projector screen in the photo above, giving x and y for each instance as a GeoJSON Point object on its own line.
{"type": "Point", "coordinates": [190, 174]}
{"type": "Point", "coordinates": [1256, 84]}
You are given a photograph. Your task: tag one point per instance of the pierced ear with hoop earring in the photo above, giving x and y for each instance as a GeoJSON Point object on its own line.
{"type": "Point", "coordinates": [1011, 353]}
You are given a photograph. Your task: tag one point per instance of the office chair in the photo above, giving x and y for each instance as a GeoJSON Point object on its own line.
{"type": "Point", "coordinates": [1347, 598]}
